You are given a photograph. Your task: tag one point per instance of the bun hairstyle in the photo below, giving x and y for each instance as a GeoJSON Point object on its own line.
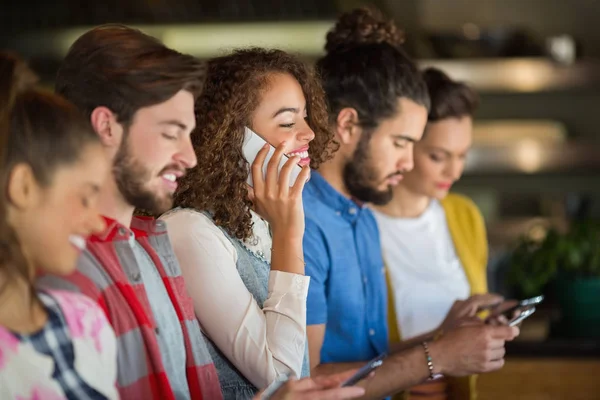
{"type": "Point", "coordinates": [449, 99]}
{"type": "Point", "coordinates": [366, 69]}
{"type": "Point", "coordinates": [363, 26]}
{"type": "Point", "coordinates": [39, 129]}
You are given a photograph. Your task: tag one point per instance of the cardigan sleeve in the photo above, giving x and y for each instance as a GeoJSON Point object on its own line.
{"type": "Point", "coordinates": [467, 228]}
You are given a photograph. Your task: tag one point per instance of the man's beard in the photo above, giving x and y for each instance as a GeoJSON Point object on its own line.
{"type": "Point", "coordinates": [131, 177]}
{"type": "Point", "coordinates": [361, 177]}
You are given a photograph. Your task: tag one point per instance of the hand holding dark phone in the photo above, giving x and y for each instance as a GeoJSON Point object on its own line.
{"type": "Point", "coordinates": [526, 313]}
{"type": "Point", "coordinates": [365, 371]}
{"type": "Point", "coordinates": [512, 311]}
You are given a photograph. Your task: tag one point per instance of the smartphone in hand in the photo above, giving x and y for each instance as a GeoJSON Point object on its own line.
{"type": "Point", "coordinates": [522, 316]}
{"type": "Point", "coordinates": [517, 311]}
{"type": "Point", "coordinates": [365, 371]}
{"type": "Point", "coordinates": [253, 143]}
{"type": "Point", "coordinates": [520, 306]}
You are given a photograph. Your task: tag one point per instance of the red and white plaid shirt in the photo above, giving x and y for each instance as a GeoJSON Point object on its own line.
{"type": "Point", "coordinates": [108, 273]}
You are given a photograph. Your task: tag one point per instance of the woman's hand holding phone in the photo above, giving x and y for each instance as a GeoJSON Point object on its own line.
{"type": "Point", "coordinates": [281, 205]}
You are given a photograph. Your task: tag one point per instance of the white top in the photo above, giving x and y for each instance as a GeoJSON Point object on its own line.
{"type": "Point", "coordinates": [257, 341]}
{"type": "Point", "coordinates": [426, 275]}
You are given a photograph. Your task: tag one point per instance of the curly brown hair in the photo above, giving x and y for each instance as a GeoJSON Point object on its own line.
{"type": "Point", "coordinates": [232, 91]}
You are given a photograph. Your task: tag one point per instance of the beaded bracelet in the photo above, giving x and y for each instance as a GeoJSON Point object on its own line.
{"type": "Point", "coordinates": [429, 360]}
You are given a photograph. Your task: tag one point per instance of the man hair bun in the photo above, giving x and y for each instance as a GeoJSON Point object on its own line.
{"type": "Point", "coordinates": [363, 26]}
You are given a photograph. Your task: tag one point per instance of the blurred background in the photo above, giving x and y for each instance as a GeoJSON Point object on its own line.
{"type": "Point", "coordinates": [535, 166]}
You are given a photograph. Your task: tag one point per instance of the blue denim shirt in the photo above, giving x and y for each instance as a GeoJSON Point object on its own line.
{"type": "Point", "coordinates": [347, 277]}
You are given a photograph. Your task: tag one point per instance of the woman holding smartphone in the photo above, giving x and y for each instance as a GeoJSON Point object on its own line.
{"type": "Point", "coordinates": [434, 242]}
{"type": "Point", "coordinates": [53, 344]}
{"type": "Point", "coordinates": [240, 247]}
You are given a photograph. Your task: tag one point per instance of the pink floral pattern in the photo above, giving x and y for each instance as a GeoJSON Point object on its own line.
{"type": "Point", "coordinates": [26, 374]}
{"type": "Point", "coordinates": [8, 346]}
{"type": "Point", "coordinates": [40, 394]}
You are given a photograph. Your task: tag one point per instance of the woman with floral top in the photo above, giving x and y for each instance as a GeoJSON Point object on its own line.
{"type": "Point", "coordinates": [53, 344]}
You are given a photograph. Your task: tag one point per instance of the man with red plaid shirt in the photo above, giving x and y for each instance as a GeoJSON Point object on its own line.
{"type": "Point", "coordinates": [139, 96]}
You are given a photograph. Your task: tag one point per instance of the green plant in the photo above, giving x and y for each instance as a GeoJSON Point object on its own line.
{"type": "Point", "coordinates": [574, 254]}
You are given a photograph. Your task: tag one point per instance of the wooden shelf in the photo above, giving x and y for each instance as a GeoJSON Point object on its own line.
{"type": "Point", "coordinates": [522, 75]}
{"type": "Point", "coordinates": [529, 157]}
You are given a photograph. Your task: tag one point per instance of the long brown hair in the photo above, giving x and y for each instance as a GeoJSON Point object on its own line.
{"type": "Point", "coordinates": [232, 91]}
{"type": "Point", "coordinates": [39, 129]}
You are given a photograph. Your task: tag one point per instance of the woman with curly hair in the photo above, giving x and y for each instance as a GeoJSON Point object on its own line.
{"type": "Point", "coordinates": [240, 248]}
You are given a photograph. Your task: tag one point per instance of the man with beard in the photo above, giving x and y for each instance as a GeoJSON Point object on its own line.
{"type": "Point", "coordinates": [378, 109]}
{"type": "Point", "coordinates": [139, 96]}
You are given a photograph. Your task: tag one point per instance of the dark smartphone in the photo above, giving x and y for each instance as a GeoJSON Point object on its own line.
{"type": "Point", "coordinates": [365, 371]}
{"type": "Point", "coordinates": [526, 313]}
{"type": "Point", "coordinates": [515, 310]}
{"type": "Point", "coordinates": [523, 304]}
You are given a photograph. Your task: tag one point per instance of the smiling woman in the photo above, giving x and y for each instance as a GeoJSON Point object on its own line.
{"type": "Point", "coordinates": [240, 248]}
{"type": "Point", "coordinates": [51, 170]}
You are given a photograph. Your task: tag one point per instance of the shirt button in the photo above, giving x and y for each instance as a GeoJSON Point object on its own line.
{"type": "Point", "coordinates": [260, 253]}
{"type": "Point", "coordinates": [365, 280]}
{"type": "Point", "coordinates": [122, 231]}
{"type": "Point", "coordinates": [136, 277]}
{"type": "Point", "coordinates": [372, 332]}
{"type": "Point", "coordinates": [352, 211]}
{"type": "Point", "coordinates": [338, 213]}
{"type": "Point", "coordinates": [157, 331]}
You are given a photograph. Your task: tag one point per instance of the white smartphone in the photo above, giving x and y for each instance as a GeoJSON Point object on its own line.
{"type": "Point", "coordinates": [253, 143]}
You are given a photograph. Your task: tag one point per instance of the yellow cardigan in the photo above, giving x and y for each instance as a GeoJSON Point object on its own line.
{"type": "Point", "coordinates": [467, 229]}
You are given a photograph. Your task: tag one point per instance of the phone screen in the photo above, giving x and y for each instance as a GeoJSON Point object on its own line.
{"type": "Point", "coordinates": [253, 143]}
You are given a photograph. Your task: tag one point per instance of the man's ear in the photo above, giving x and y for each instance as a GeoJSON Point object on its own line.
{"type": "Point", "coordinates": [347, 125]}
{"type": "Point", "coordinates": [105, 124]}
{"type": "Point", "coordinates": [23, 190]}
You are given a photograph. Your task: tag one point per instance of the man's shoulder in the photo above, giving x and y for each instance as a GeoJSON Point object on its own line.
{"type": "Point", "coordinates": [315, 209]}
{"type": "Point", "coordinates": [90, 276]}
